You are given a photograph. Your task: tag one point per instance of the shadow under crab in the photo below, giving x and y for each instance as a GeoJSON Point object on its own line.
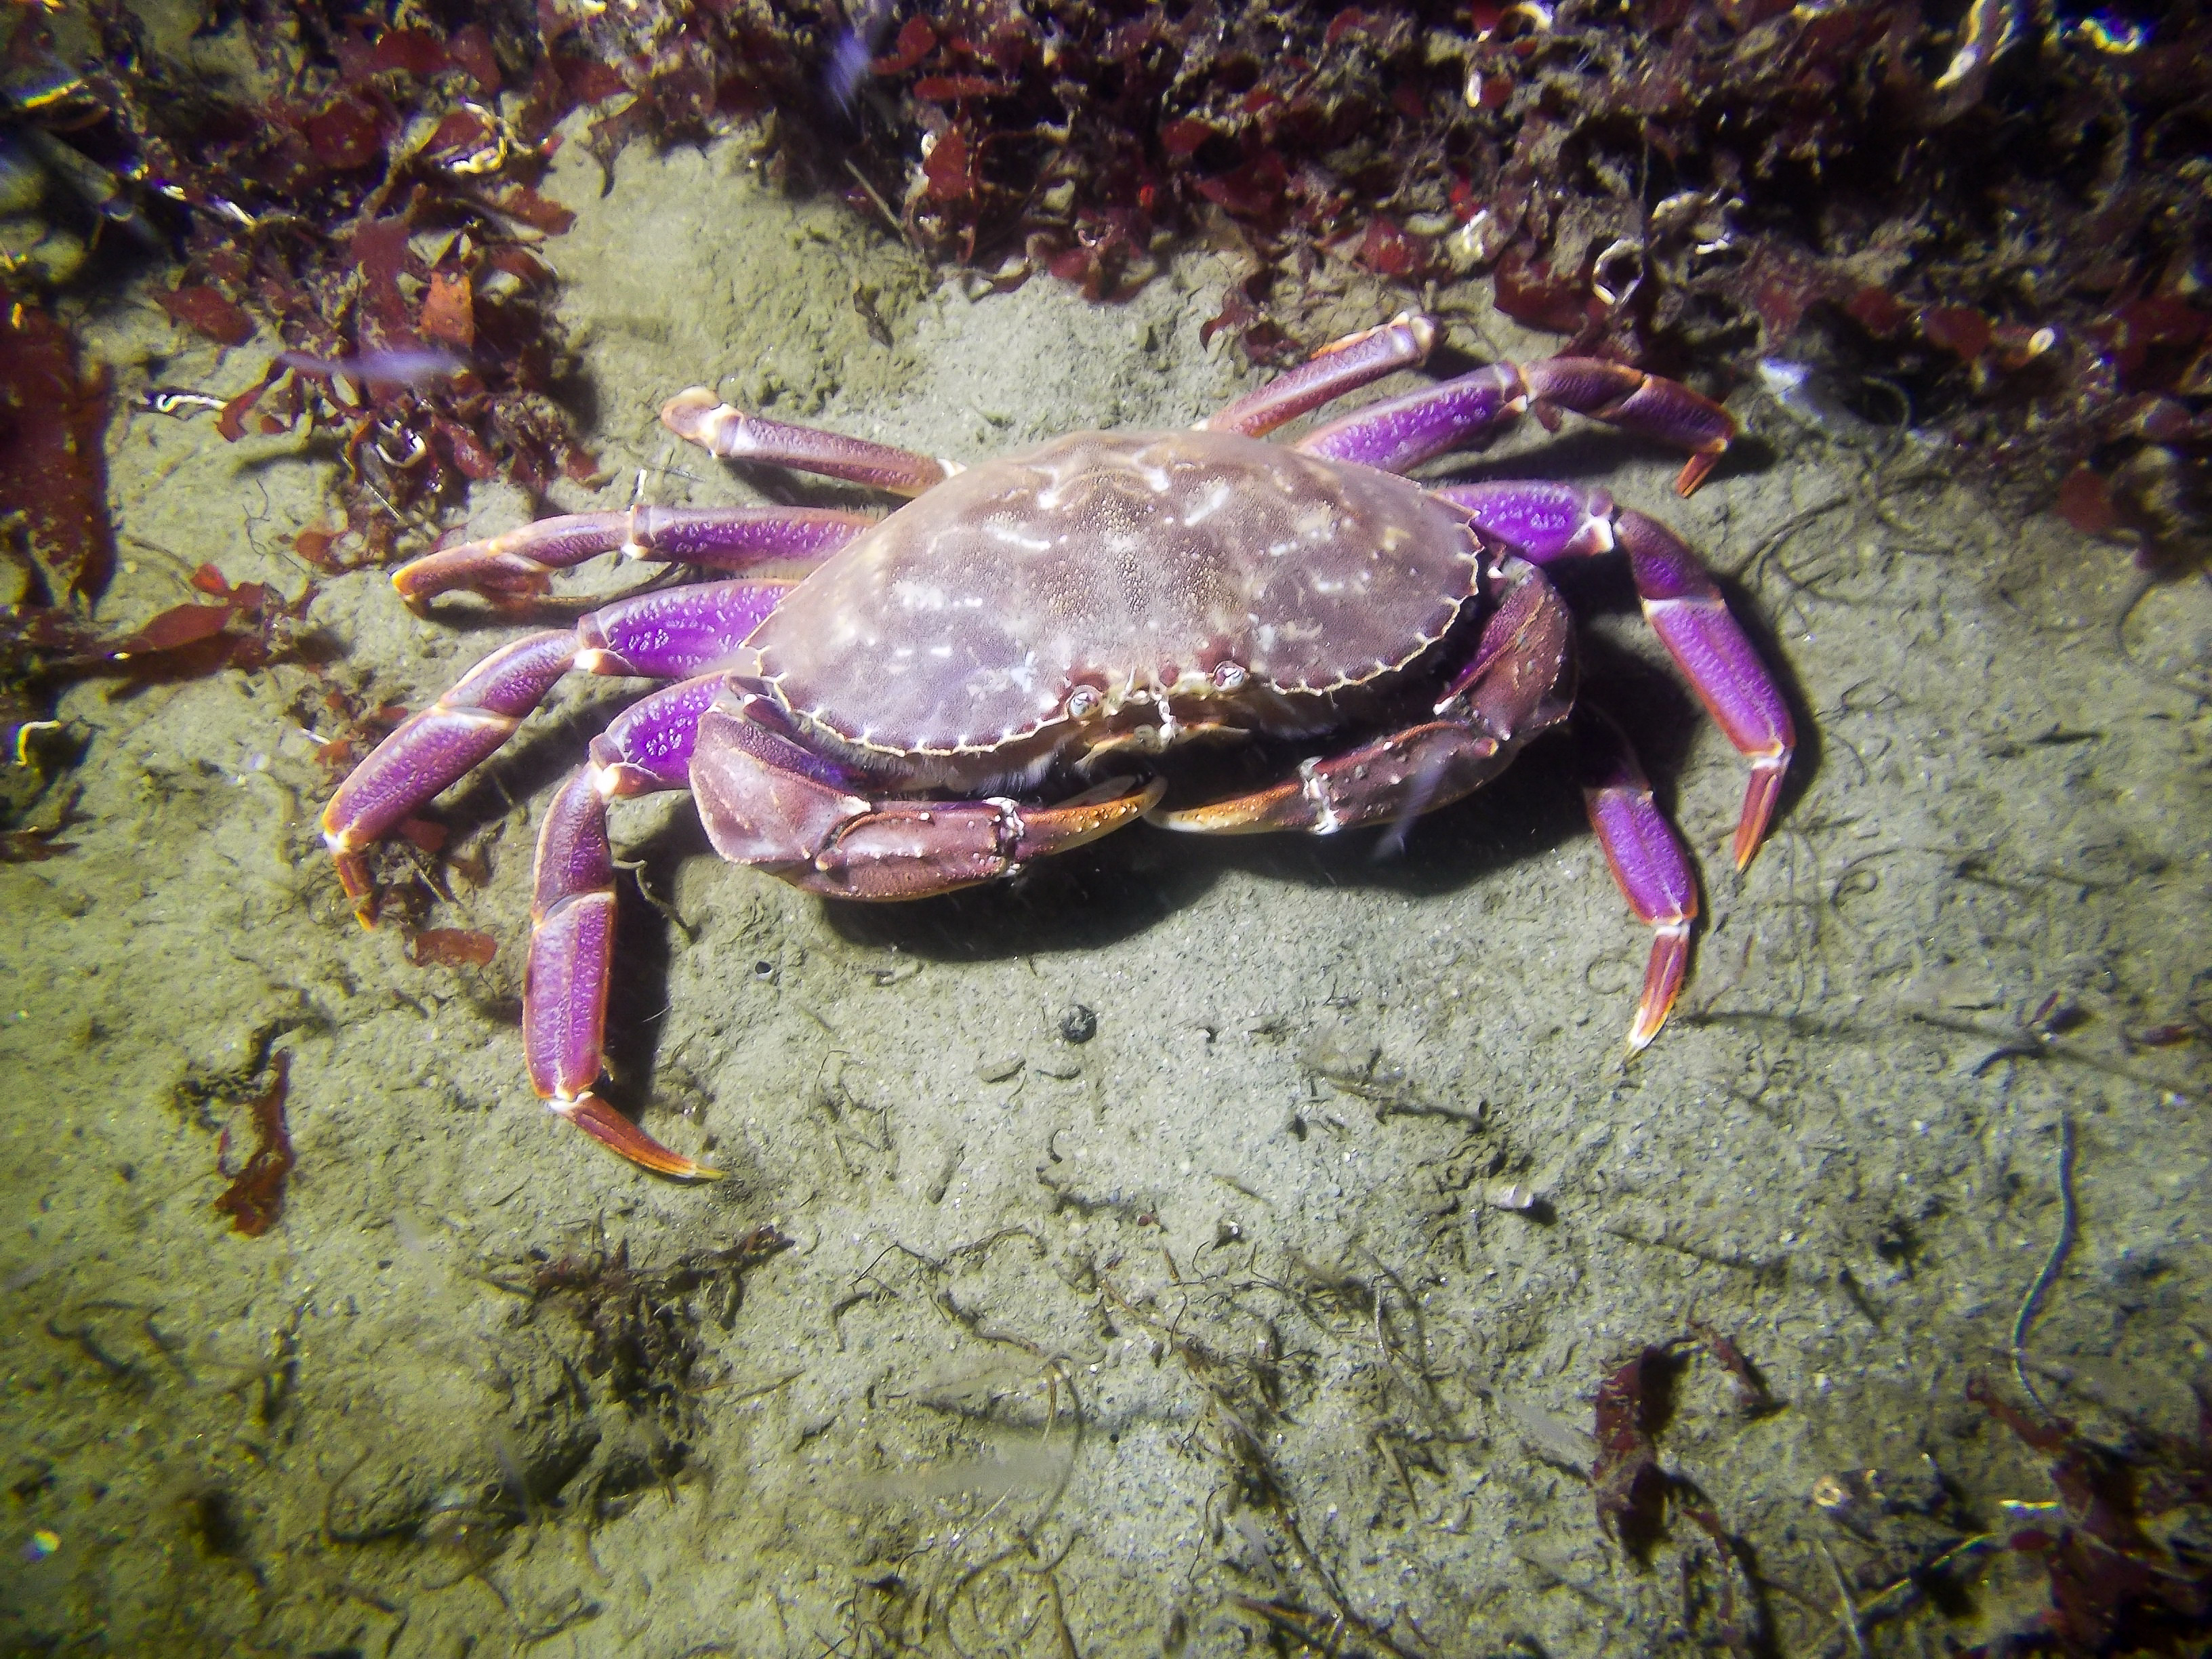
{"type": "Point", "coordinates": [1044, 647]}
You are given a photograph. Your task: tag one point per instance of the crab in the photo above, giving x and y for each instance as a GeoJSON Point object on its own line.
{"type": "Point", "coordinates": [1033, 650]}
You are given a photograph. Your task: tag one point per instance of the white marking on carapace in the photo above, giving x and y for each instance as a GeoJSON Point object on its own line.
{"type": "Point", "coordinates": [912, 596]}
{"type": "Point", "coordinates": [1210, 503]}
{"type": "Point", "coordinates": [1013, 538]}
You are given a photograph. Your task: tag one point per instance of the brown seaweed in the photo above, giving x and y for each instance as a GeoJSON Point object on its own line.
{"type": "Point", "coordinates": [255, 1198]}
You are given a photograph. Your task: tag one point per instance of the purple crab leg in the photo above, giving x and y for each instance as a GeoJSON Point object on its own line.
{"type": "Point", "coordinates": [1649, 864]}
{"type": "Point", "coordinates": [1541, 521]}
{"type": "Point", "coordinates": [721, 538]}
{"type": "Point", "coordinates": [702, 418]}
{"type": "Point", "coordinates": [1544, 521]}
{"type": "Point", "coordinates": [572, 918]}
{"type": "Point", "coordinates": [676, 631]}
{"type": "Point", "coordinates": [1401, 432]}
{"type": "Point", "coordinates": [655, 634]}
{"type": "Point", "coordinates": [1340, 366]}
{"type": "Point", "coordinates": [429, 751]}
{"type": "Point", "coordinates": [1649, 405]}
{"type": "Point", "coordinates": [1686, 611]}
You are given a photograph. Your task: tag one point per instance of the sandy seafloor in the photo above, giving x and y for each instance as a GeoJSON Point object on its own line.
{"type": "Point", "coordinates": [1101, 1347]}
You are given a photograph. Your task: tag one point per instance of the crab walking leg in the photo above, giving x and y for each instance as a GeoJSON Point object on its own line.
{"type": "Point", "coordinates": [1519, 681]}
{"type": "Point", "coordinates": [656, 636]}
{"type": "Point", "coordinates": [1544, 521]}
{"type": "Point", "coordinates": [1686, 611]}
{"type": "Point", "coordinates": [1649, 405]}
{"type": "Point", "coordinates": [430, 749]}
{"type": "Point", "coordinates": [698, 416]}
{"type": "Point", "coordinates": [1401, 432]}
{"type": "Point", "coordinates": [1647, 861]}
{"type": "Point", "coordinates": [676, 632]}
{"type": "Point", "coordinates": [1340, 366]}
{"type": "Point", "coordinates": [721, 538]}
{"type": "Point", "coordinates": [1540, 520]}
{"type": "Point", "coordinates": [766, 802]}
{"type": "Point", "coordinates": [572, 918]}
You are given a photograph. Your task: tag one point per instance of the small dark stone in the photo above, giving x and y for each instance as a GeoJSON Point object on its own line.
{"type": "Point", "coordinates": [1078, 1023]}
{"type": "Point", "coordinates": [213, 1515]}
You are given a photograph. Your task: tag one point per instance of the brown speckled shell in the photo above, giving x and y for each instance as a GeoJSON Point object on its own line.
{"type": "Point", "coordinates": [1130, 562]}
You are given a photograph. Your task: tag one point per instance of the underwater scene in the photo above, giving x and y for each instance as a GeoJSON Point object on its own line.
{"type": "Point", "coordinates": [1314, 829]}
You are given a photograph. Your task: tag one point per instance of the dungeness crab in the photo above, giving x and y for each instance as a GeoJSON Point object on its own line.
{"type": "Point", "coordinates": [1027, 654]}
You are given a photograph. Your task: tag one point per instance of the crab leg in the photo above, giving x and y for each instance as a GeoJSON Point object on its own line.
{"type": "Point", "coordinates": [1686, 611]}
{"type": "Point", "coordinates": [1340, 366]}
{"type": "Point", "coordinates": [1540, 520]}
{"type": "Point", "coordinates": [699, 417]}
{"type": "Point", "coordinates": [768, 802]}
{"type": "Point", "coordinates": [660, 635]}
{"type": "Point", "coordinates": [1519, 681]}
{"type": "Point", "coordinates": [1544, 521]}
{"type": "Point", "coordinates": [721, 537]}
{"type": "Point", "coordinates": [572, 918]}
{"type": "Point", "coordinates": [1400, 432]}
{"type": "Point", "coordinates": [431, 750]}
{"type": "Point", "coordinates": [1649, 405]}
{"type": "Point", "coordinates": [1649, 864]}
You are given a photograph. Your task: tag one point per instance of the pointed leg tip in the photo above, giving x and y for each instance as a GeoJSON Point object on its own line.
{"type": "Point", "coordinates": [1750, 833]}
{"type": "Point", "coordinates": [1663, 982]}
{"type": "Point", "coordinates": [353, 878]}
{"type": "Point", "coordinates": [1759, 798]}
{"type": "Point", "coordinates": [1651, 1018]}
{"type": "Point", "coordinates": [625, 1140]}
{"type": "Point", "coordinates": [1693, 474]}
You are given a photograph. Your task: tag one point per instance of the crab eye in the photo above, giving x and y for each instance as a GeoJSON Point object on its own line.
{"type": "Point", "coordinates": [1228, 676]}
{"type": "Point", "coordinates": [1081, 701]}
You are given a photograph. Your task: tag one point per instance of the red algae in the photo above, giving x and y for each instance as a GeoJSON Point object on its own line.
{"type": "Point", "coordinates": [53, 472]}
{"type": "Point", "coordinates": [254, 1200]}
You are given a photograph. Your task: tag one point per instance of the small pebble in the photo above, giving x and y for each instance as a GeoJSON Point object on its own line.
{"type": "Point", "coordinates": [1078, 1023]}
